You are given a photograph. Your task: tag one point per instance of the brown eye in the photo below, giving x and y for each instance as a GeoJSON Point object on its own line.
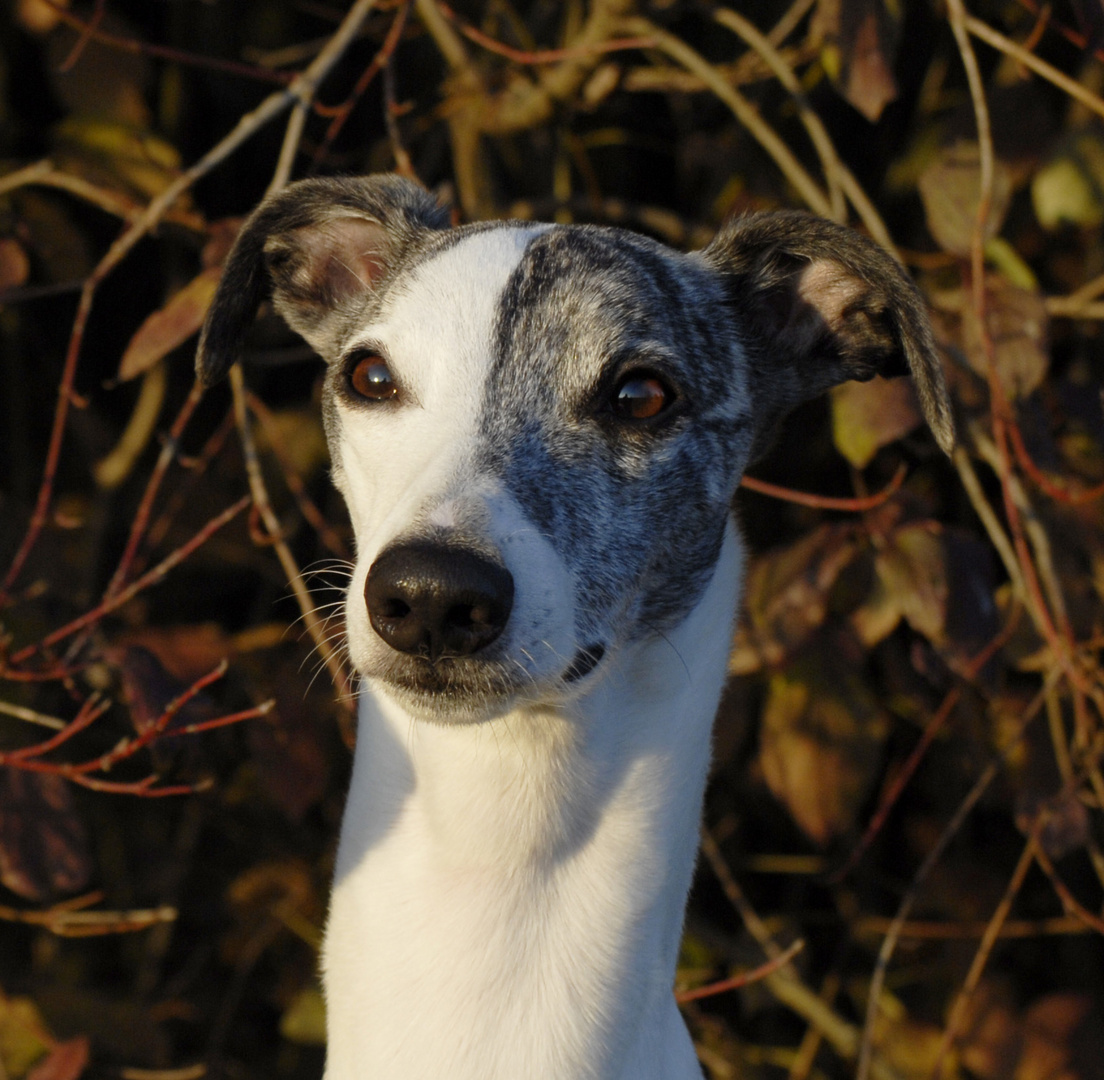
{"type": "Point", "coordinates": [371, 378]}
{"type": "Point", "coordinates": [640, 396]}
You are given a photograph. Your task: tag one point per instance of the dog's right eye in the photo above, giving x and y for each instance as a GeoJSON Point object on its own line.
{"type": "Point", "coordinates": [640, 395]}
{"type": "Point", "coordinates": [371, 378]}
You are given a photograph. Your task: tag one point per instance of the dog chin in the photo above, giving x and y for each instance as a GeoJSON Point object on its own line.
{"type": "Point", "coordinates": [448, 692]}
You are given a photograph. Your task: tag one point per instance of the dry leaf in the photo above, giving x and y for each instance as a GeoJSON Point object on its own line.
{"type": "Point", "coordinates": [1063, 1039]}
{"type": "Point", "coordinates": [787, 596]}
{"type": "Point", "coordinates": [869, 415]}
{"type": "Point", "coordinates": [43, 845]}
{"type": "Point", "coordinates": [1066, 825]}
{"type": "Point", "coordinates": [24, 1038]}
{"type": "Point", "coordinates": [149, 689]}
{"type": "Point", "coordinates": [821, 741]}
{"type": "Point", "coordinates": [171, 326]}
{"type": "Point", "coordinates": [910, 583]}
{"type": "Point", "coordinates": [66, 1061]}
{"type": "Point", "coordinates": [1016, 321]}
{"type": "Point", "coordinates": [858, 40]}
{"type": "Point", "coordinates": [304, 1020]}
{"type": "Point", "coordinates": [15, 267]}
{"type": "Point", "coordinates": [951, 191]}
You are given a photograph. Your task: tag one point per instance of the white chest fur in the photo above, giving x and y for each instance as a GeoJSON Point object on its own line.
{"type": "Point", "coordinates": [509, 897]}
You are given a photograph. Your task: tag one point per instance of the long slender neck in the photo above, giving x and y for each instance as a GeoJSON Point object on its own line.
{"type": "Point", "coordinates": [509, 895]}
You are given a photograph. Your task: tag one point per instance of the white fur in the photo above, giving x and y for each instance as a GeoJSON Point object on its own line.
{"type": "Point", "coordinates": [509, 895]}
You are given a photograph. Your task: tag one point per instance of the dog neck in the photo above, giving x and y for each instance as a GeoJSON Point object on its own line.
{"type": "Point", "coordinates": [509, 895]}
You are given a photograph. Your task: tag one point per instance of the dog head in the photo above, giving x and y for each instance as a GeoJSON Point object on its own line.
{"type": "Point", "coordinates": [539, 429]}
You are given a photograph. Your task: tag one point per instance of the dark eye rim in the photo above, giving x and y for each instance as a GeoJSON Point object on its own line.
{"type": "Point", "coordinates": [350, 364]}
{"type": "Point", "coordinates": [672, 408]}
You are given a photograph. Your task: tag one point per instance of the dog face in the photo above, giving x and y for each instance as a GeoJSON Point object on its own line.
{"type": "Point", "coordinates": [539, 429]}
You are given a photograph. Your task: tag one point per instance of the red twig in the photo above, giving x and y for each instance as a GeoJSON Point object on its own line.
{"type": "Point", "coordinates": [28, 758]}
{"type": "Point", "coordinates": [1056, 492]}
{"type": "Point", "coordinates": [196, 468]}
{"type": "Point", "coordinates": [934, 726]}
{"type": "Point", "coordinates": [1069, 901]}
{"type": "Point", "coordinates": [40, 513]}
{"type": "Point", "coordinates": [142, 515]}
{"type": "Point", "coordinates": [541, 56]}
{"type": "Point", "coordinates": [150, 577]}
{"type": "Point", "coordinates": [827, 502]}
{"type": "Point", "coordinates": [90, 31]}
{"type": "Point", "coordinates": [1073, 36]}
{"type": "Point", "coordinates": [143, 788]}
{"type": "Point", "coordinates": [341, 113]}
{"type": "Point", "coordinates": [295, 484]}
{"type": "Point", "coordinates": [86, 33]}
{"type": "Point", "coordinates": [743, 979]}
{"type": "Point", "coordinates": [91, 710]}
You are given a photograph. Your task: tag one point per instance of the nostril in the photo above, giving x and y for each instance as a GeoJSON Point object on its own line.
{"type": "Point", "coordinates": [461, 616]}
{"type": "Point", "coordinates": [435, 600]}
{"type": "Point", "coordinates": [394, 608]}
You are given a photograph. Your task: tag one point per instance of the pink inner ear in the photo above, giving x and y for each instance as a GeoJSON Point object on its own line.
{"type": "Point", "coordinates": [829, 288]}
{"type": "Point", "coordinates": [344, 256]}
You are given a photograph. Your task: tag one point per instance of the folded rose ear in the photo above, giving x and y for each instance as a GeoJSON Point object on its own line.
{"type": "Point", "coordinates": [821, 304]}
{"type": "Point", "coordinates": [320, 248]}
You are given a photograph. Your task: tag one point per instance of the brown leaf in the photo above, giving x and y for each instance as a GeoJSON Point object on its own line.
{"type": "Point", "coordinates": [910, 583]}
{"type": "Point", "coordinates": [1065, 826]}
{"type": "Point", "coordinates": [15, 267]}
{"type": "Point", "coordinates": [43, 845]}
{"type": "Point", "coordinates": [787, 596]}
{"type": "Point", "coordinates": [171, 326]}
{"type": "Point", "coordinates": [821, 740]}
{"type": "Point", "coordinates": [149, 689]}
{"type": "Point", "coordinates": [289, 753]}
{"type": "Point", "coordinates": [1016, 321]}
{"type": "Point", "coordinates": [950, 188]}
{"type": "Point", "coordinates": [185, 650]}
{"type": "Point", "coordinates": [66, 1061]}
{"type": "Point", "coordinates": [869, 415]}
{"type": "Point", "coordinates": [990, 1035]}
{"type": "Point", "coordinates": [858, 40]}
{"type": "Point", "coordinates": [1063, 1039]}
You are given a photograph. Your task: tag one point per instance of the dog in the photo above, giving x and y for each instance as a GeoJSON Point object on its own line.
{"type": "Point", "coordinates": [539, 431]}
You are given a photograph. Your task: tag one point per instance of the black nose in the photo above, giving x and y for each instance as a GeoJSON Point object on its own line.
{"type": "Point", "coordinates": [433, 600]}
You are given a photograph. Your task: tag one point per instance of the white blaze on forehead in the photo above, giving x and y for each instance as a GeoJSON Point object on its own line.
{"type": "Point", "coordinates": [437, 332]}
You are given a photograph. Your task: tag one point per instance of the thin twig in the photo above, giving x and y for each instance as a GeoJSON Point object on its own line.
{"type": "Point", "coordinates": [302, 88]}
{"type": "Point", "coordinates": [1092, 102]}
{"type": "Point", "coordinates": [828, 502]}
{"type": "Point", "coordinates": [263, 507]}
{"type": "Point", "coordinates": [893, 935]}
{"type": "Point", "coordinates": [742, 109]}
{"type": "Point", "coordinates": [89, 31]}
{"type": "Point", "coordinates": [830, 162]}
{"type": "Point", "coordinates": [118, 599]}
{"type": "Point", "coordinates": [722, 986]}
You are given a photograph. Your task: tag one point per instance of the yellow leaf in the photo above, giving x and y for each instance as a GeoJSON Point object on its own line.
{"type": "Point", "coordinates": [1068, 188]}
{"type": "Point", "coordinates": [23, 1035]}
{"type": "Point", "coordinates": [304, 1020]}
{"type": "Point", "coordinates": [821, 741]}
{"type": "Point", "coordinates": [869, 415]}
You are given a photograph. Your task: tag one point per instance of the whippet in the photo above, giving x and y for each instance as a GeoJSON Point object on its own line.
{"type": "Point", "coordinates": [539, 431]}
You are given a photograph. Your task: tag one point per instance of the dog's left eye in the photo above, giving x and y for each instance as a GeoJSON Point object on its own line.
{"type": "Point", "coordinates": [371, 378]}
{"type": "Point", "coordinates": [640, 395]}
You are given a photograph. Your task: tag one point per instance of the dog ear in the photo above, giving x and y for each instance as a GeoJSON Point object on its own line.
{"type": "Point", "coordinates": [820, 304]}
{"type": "Point", "coordinates": [319, 247]}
